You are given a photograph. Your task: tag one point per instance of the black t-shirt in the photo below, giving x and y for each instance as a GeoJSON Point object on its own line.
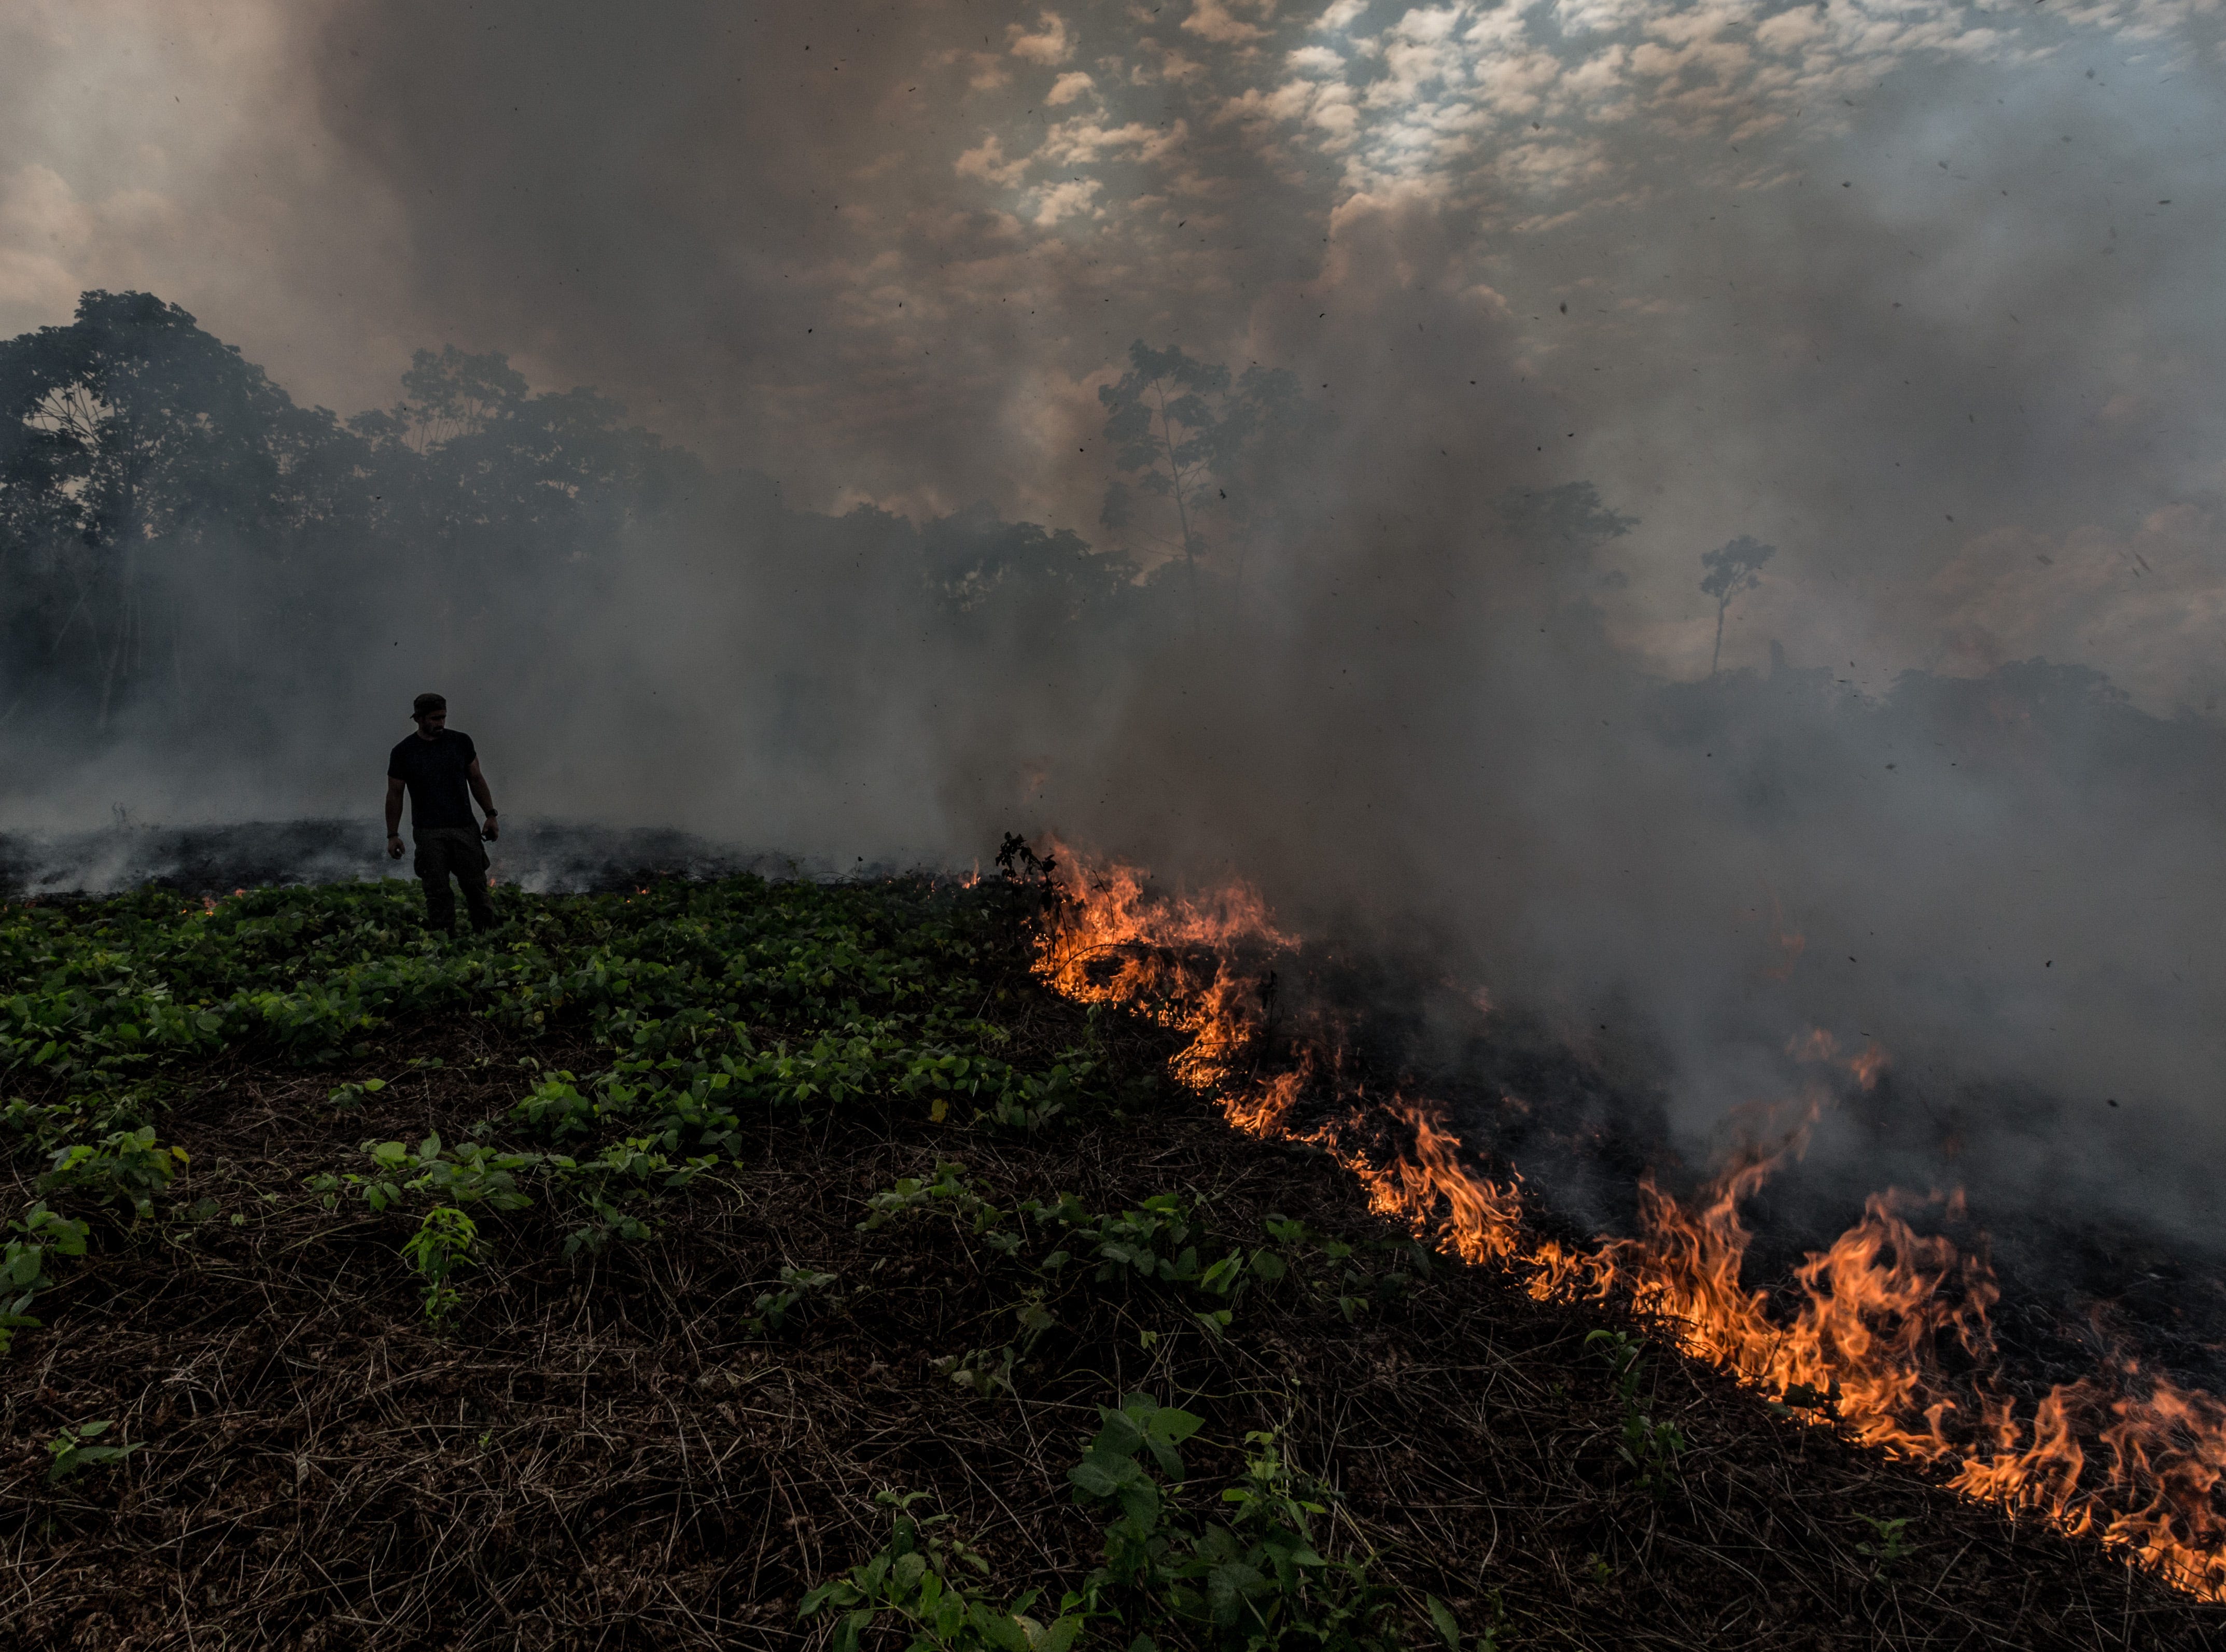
{"type": "Point", "coordinates": [435, 771]}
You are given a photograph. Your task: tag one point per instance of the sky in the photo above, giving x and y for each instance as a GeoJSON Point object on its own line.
{"type": "Point", "coordinates": [1921, 295]}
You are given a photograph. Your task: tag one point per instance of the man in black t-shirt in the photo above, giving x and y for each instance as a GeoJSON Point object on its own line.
{"type": "Point", "coordinates": [438, 766]}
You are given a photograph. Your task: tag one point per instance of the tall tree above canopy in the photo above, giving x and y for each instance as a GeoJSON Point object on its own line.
{"type": "Point", "coordinates": [1732, 569]}
{"type": "Point", "coordinates": [1190, 433]}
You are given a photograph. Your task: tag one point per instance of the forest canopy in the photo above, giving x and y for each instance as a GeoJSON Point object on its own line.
{"type": "Point", "coordinates": [175, 528]}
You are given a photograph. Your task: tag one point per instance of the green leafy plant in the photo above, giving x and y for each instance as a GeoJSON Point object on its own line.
{"type": "Point", "coordinates": [127, 1167]}
{"type": "Point", "coordinates": [950, 1192]}
{"type": "Point", "coordinates": [769, 1314]}
{"type": "Point", "coordinates": [1157, 1243]}
{"type": "Point", "coordinates": [1028, 1102]}
{"type": "Point", "coordinates": [982, 1372]}
{"type": "Point", "coordinates": [1650, 1448]}
{"type": "Point", "coordinates": [38, 1235]}
{"type": "Point", "coordinates": [637, 1167]}
{"type": "Point", "coordinates": [1112, 1471]}
{"type": "Point", "coordinates": [920, 1579]}
{"type": "Point", "coordinates": [71, 1455]}
{"type": "Point", "coordinates": [1331, 1268]}
{"type": "Point", "coordinates": [469, 1173]}
{"type": "Point", "coordinates": [605, 1220]}
{"type": "Point", "coordinates": [1263, 1578]}
{"type": "Point", "coordinates": [348, 1098]}
{"type": "Point", "coordinates": [1889, 1544]}
{"type": "Point", "coordinates": [1449, 1626]}
{"type": "Point", "coordinates": [1255, 1581]}
{"type": "Point", "coordinates": [442, 1245]}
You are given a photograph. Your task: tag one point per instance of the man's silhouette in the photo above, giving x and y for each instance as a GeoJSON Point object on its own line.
{"type": "Point", "coordinates": [437, 764]}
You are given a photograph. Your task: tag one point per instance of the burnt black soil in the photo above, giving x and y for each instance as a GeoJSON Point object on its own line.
{"type": "Point", "coordinates": [598, 1452]}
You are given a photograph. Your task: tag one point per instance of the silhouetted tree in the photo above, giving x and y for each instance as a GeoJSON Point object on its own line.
{"type": "Point", "coordinates": [1188, 432]}
{"type": "Point", "coordinates": [485, 484]}
{"type": "Point", "coordinates": [1732, 569]}
{"type": "Point", "coordinates": [162, 505]}
{"type": "Point", "coordinates": [1166, 430]}
{"type": "Point", "coordinates": [975, 562]}
{"type": "Point", "coordinates": [126, 438]}
{"type": "Point", "coordinates": [1564, 525]}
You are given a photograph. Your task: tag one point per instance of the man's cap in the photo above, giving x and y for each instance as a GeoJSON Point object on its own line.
{"type": "Point", "coordinates": [425, 704]}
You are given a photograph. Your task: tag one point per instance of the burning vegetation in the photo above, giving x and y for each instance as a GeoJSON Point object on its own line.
{"type": "Point", "coordinates": [1885, 1334]}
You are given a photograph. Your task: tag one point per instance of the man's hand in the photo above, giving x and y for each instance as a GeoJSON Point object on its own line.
{"type": "Point", "coordinates": [485, 798]}
{"type": "Point", "coordinates": [394, 846]}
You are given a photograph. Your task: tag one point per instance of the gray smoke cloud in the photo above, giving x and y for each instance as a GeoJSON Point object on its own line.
{"type": "Point", "coordinates": [1922, 299]}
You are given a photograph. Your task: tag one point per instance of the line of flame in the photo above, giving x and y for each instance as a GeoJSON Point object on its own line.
{"type": "Point", "coordinates": [2126, 1455]}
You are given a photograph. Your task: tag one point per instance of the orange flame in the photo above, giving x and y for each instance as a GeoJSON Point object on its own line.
{"type": "Point", "coordinates": [2125, 1455]}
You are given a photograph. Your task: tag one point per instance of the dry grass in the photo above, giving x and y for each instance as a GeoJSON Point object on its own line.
{"type": "Point", "coordinates": [599, 1455]}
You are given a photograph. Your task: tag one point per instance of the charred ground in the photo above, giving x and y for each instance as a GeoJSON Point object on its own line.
{"type": "Point", "coordinates": [629, 1445]}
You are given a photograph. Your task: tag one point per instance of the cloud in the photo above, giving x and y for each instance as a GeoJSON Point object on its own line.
{"type": "Point", "coordinates": [987, 161]}
{"type": "Point", "coordinates": [1068, 87]}
{"type": "Point", "coordinates": [1086, 141]}
{"type": "Point", "coordinates": [1212, 20]}
{"type": "Point", "coordinates": [1067, 200]}
{"type": "Point", "coordinates": [1047, 46]}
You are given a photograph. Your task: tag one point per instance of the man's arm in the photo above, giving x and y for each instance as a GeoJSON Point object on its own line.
{"type": "Point", "coordinates": [477, 781]}
{"type": "Point", "coordinates": [394, 815]}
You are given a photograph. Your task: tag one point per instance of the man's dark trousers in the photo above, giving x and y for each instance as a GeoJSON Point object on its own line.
{"type": "Point", "coordinates": [446, 850]}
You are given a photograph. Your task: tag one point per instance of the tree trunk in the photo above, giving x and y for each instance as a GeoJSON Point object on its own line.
{"type": "Point", "coordinates": [1182, 511]}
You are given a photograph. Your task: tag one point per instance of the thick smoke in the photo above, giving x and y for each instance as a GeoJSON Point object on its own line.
{"type": "Point", "coordinates": [1938, 325]}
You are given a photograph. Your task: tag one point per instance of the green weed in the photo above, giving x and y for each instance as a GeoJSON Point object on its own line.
{"type": "Point", "coordinates": [348, 1098]}
{"type": "Point", "coordinates": [920, 1580]}
{"type": "Point", "coordinates": [33, 1238]}
{"type": "Point", "coordinates": [1449, 1626]}
{"type": "Point", "coordinates": [982, 1372]}
{"type": "Point", "coordinates": [470, 1173]}
{"type": "Point", "coordinates": [1254, 1581]}
{"type": "Point", "coordinates": [1650, 1448]}
{"type": "Point", "coordinates": [951, 1193]}
{"type": "Point", "coordinates": [1890, 1547]}
{"type": "Point", "coordinates": [442, 1245]}
{"type": "Point", "coordinates": [770, 1313]}
{"type": "Point", "coordinates": [1331, 1269]}
{"type": "Point", "coordinates": [126, 1167]}
{"type": "Point", "coordinates": [71, 1455]}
